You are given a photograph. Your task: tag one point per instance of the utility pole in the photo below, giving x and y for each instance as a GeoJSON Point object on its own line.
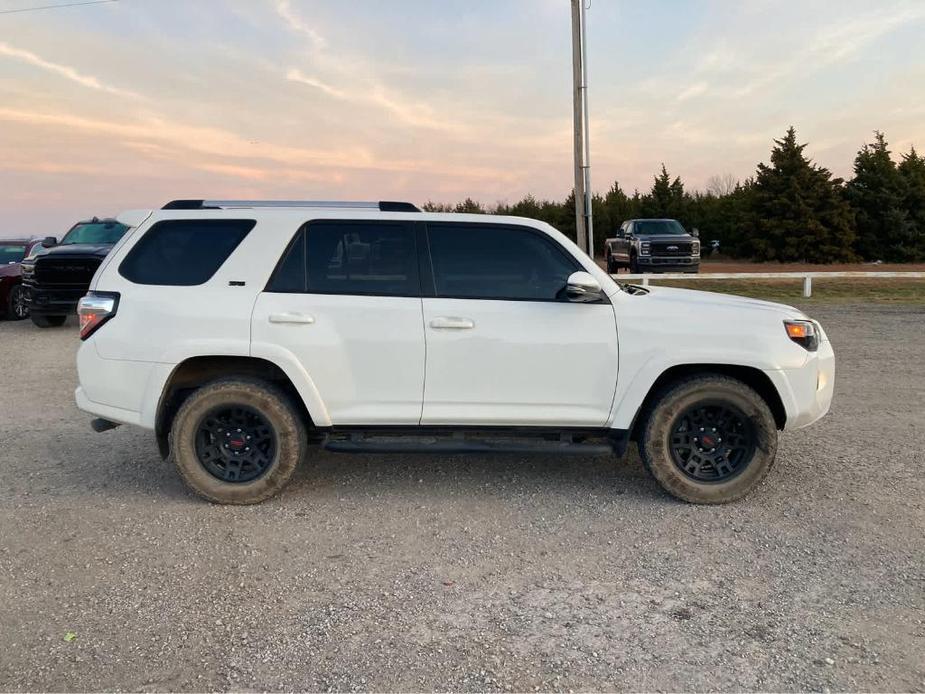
{"type": "Point", "coordinates": [583, 222]}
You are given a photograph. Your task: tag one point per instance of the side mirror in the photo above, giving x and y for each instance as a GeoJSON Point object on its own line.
{"type": "Point", "coordinates": [49, 241]}
{"type": "Point", "coordinates": [582, 288]}
{"type": "Point", "coordinates": [695, 232]}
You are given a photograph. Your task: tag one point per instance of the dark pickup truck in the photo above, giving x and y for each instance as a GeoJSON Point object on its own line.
{"type": "Point", "coordinates": [55, 278]}
{"type": "Point", "coordinates": [653, 245]}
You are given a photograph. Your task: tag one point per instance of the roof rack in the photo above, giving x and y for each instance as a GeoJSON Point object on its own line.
{"type": "Point", "coordinates": [382, 205]}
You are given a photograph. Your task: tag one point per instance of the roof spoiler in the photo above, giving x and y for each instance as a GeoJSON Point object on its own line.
{"type": "Point", "coordinates": [382, 205]}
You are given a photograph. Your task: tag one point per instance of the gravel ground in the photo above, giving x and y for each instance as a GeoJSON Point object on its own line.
{"type": "Point", "coordinates": [503, 573]}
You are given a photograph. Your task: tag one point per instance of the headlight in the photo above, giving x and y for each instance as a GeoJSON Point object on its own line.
{"type": "Point", "coordinates": [644, 248]}
{"type": "Point", "coordinates": [695, 248]}
{"type": "Point", "coordinates": [803, 332]}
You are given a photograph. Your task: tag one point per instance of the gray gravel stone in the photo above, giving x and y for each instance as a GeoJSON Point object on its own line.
{"type": "Point", "coordinates": [467, 573]}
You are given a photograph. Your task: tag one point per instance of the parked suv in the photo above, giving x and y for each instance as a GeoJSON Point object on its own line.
{"type": "Point", "coordinates": [57, 276]}
{"type": "Point", "coordinates": [652, 245]}
{"type": "Point", "coordinates": [244, 332]}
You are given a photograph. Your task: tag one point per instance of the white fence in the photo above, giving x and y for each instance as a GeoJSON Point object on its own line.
{"type": "Point", "coordinates": [807, 277]}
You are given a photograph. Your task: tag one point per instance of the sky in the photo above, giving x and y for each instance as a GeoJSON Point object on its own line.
{"type": "Point", "coordinates": [131, 103]}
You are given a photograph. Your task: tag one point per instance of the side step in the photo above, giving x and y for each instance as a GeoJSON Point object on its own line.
{"type": "Point", "coordinates": [442, 442]}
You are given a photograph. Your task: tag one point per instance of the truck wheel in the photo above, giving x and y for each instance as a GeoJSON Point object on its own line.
{"type": "Point", "coordinates": [634, 264]}
{"type": "Point", "coordinates": [17, 308]}
{"type": "Point", "coordinates": [612, 267]}
{"type": "Point", "coordinates": [708, 439]}
{"type": "Point", "coordinates": [237, 441]}
{"type": "Point", "coordinates": [44, 321]}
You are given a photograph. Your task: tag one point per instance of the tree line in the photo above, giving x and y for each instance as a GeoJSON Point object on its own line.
{"type": "Point", "coordinates": [791, 210]}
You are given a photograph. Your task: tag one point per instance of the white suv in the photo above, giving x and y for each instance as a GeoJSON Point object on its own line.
{"type": "Point", "coordinates": [242, 332]}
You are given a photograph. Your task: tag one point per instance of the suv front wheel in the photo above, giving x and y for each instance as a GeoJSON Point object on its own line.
{"type": "Point", "coordinates": [237, 441]}
{"type": "Point", "coordinates": [708, 439]}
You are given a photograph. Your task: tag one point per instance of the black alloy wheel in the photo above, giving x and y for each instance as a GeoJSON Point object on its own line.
{"type": "Point", "coordinates": [712, 441]}
{"type": "Point", "coordinates": [19, 309]}
{"type": "Point", "coordinates": [235, 444]}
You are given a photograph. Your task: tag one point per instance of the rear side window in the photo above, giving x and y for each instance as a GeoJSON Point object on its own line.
{"type": "Point", "coordinates": [346, 257]}
{"type": "Point", "coordinates": [486, 261]}
{"type": "Point", "coordinates": [183, 253]}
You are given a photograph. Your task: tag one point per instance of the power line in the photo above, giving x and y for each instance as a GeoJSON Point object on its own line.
{"type": "Point", "coordinates": [54, 7]}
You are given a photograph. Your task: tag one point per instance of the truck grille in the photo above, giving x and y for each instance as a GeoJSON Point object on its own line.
{"type": "Point", "coordinates": [668, 248]}
{"type": "Point", "coordinates": [60, 271]}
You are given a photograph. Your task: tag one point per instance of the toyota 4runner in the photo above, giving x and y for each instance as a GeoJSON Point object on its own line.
{"type": "Point", "coordinates": [242, 333]}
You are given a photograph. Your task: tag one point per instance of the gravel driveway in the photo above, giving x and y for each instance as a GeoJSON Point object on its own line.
{"type": "Point", "coordinates": [500, 573]}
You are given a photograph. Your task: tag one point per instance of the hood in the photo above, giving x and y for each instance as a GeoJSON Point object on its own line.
{"type": "Point", "coordinates": [99, 250]}
{"type": "Point", "coordinates": [694, 299]}
{"type": "Point", "coordinates": [10, 270]}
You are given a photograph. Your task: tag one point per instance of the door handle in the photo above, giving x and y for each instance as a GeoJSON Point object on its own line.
{"type": "Point", "coordinates": [452, 323]}
{"type": "Point", "coordinates": [300, 318]}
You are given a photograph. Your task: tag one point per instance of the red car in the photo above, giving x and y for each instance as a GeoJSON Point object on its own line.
{"type": "Point", "coordinates": [12, 298]}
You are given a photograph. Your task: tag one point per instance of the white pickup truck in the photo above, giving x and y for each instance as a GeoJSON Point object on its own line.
{"type": "Point", "coordinates": [243, 332]}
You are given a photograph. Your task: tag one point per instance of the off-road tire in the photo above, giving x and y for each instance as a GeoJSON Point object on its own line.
{"type": "Point", "coordinates": [274, 405]}
{"type": "Point", "coordinates": [44, 321]}
{"type": "Point", "coordinates": [659, 420]}
{"type": "Point", "coordinates": [634, 264]}
{"type": "Point", "coordinates": [612, 267]}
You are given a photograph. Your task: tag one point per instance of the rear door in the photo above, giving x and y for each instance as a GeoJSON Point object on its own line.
{"type": "Point", "coordinates": [345, 302]}
{"type": "Point", "coordinates": [504, 345]}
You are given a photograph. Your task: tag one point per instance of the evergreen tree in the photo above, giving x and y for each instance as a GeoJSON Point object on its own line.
{"type": "Point", "coordinates": [470, 206]}
{"type": "Point", "coordinates": [666, 199]}
{"type": "Point", "coordinates": [912, 170]}
{"type": "Point", "coordinates": [800, 211]}
{"type": "Point", "coordinates": [878, 193]}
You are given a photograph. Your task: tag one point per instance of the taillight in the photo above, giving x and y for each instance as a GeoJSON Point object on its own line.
{"type": "Point", "coordinates": [95, 309]}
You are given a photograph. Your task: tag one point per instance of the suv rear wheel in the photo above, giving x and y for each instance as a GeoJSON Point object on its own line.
{"type": "Point", "coordinates": [237, 441]}
{"type": "Point", "coordinates": [708, 439]}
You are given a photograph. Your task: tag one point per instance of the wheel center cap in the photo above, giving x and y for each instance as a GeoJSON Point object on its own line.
{"type": "Point", "coordinates": [708, 440]}
{"type": "Point", "coordinates": [236, 442]}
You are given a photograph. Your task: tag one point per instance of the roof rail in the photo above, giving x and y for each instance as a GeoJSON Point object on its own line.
{"type": "Point", "coordinates": [382, 205]}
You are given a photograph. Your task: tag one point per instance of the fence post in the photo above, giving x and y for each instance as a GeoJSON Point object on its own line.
{"type": "Point", "coordinates": [807, 286]}
{"type": "Point", "coordinates": [645, 281]}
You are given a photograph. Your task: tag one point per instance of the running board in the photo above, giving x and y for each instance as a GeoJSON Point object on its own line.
{"type": "Point", "coordinates": [463, 441]}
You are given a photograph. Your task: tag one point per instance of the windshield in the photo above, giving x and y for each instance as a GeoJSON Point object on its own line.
{"type": "Point", "coordinates": [11, 253]}
{"type": "Point", "coordinates": [95, 233]}
{"type": "Point", "coordinates": [652, 227]}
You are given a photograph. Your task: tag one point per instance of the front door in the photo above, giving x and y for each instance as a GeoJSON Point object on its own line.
{"type": "Point", "coordinates": [345, 301]}
{"type": "Point", "coordinates": [504, 345]}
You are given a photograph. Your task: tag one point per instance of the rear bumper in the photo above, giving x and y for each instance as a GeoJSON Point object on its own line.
{"type": "Point", "coordinates": [119, 390]}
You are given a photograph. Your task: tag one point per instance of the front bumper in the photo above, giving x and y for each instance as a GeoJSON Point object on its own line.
{"type": "Point", "coordinates": [650, 263]}
{"type": "Point", "coordinates": [58, 301]}
{"type": "Point", "coordinates": [807, 391]}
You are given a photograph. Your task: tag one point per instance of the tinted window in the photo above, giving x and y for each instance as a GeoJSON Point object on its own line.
{"type": "Point", "coordinates": [183, 252]}
{"type": "Point", "coordinates": [95, 233]}
{"type": "Point", "coordinates": [362, 258]}
{"type": "Point", "coordinates": [290, 274]}
{"type": "Point", "coordinates": [652, 227]}
{"type": "Point", "coordinates": [473, 261]}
